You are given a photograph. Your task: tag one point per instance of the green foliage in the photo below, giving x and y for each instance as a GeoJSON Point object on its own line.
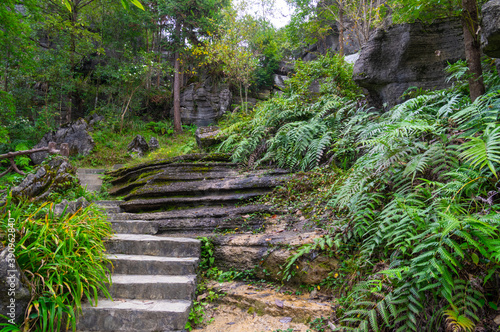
{"type": "Point", "coordinates": [297, 129]}
{"type": "Point", "coordinates": [419, 201]}
{"type": "Point", "coordinates": [63, 258]}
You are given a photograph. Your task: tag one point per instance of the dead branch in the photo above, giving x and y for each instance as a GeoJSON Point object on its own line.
{"type": "Point", "coordinates": [51, 148]}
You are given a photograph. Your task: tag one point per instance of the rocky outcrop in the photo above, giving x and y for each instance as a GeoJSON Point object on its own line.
{"type": "Point", "coordinates": [57, 175]}
{"type": "Point", "coordinates": [15, 294]}
{"type": "Point", "coordinates": [330, 43]}
{"type": "Point", "coordinates": [267, 254]}
{"type": "Point", "coordinates": [490, 28]}
{"type": "Point", "coordinates": [408, 55]}
{"type": "Point", "coordinates": [203, 103]}
{"type": "Point", "coordinates": [70, 207]}
{"type": "Point", "coordinates": [138, 146]}
{"type": "Point", "coordinates": [75, 134]}
{"type": "Point", "coordinates": [207, 136]}
{"type": "Point", "coordinates": [153, 144]}
{"type": "Point", "coordinates": [280, 81]}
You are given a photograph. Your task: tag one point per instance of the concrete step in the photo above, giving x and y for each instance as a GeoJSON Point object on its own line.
{"type": "Point", "coordinates": [152, 287]}
{"type": "Point", "coordinates": [138, 205]}
{"type": "Point", "coordinates": [151, 265]}
{"type": "Point", "coordinates": [139, 244]}
{"type": "Point", "coordinates": [135, 316]}
{"type": "Point", "coordinates": [90, 171]}
{"type": "Point", "coordinates": [90, 178]}
{"type": "Point", "coordinates": [135, 226]}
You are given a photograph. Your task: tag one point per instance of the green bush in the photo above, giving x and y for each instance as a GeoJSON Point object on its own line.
{"type": "Point", "coordinates": [63, 258]}
{"type": "Point", "coordinates": [297, 130]}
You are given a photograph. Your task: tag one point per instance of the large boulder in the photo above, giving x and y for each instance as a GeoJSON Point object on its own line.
{"type": "Point", "coordinates": [15, 294]}
{"type": "Point", "coordinates": [408, 55]}
{"type": "Point", "coordinates": [490, 28]}
{"type": "Point", "coordinates": [57, 175]}
{"type": "Point", "coordinates": [203, 103]}
{"type": "Point", "coordinates": [77, 136]}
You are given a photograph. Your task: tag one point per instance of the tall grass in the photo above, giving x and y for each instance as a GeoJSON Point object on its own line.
{"type": "Point", "coordinates": [63, 257]}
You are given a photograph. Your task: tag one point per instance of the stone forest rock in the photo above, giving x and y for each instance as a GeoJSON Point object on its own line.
{"type": "Point", "coordinates": [330, 43]}
{"type": "Point", "coordinates": [56, 175]}
{"type": "Point", "coordinates": [13, 305]}
{"type": "Point", "coordinates": [266, 254]}
{"type": "Point", "coordinates": [153, 144]}
{"type": "Point", "coordinates": [207, 136]}
{"type": "Point", "coordinates": [490, 28]}
{"type": "Point", "coordinates": [75, 134]}
{"type": "Point", "coordinates": [138, 146]}
{"type": "Point", "coordinates": [408, 55]}
{"type": "Point", "coordinates": [280, 81]}
{"type": "Point", "coordinates": [71, 207]}
{"type": "Point", "coordinates": [203, 103]}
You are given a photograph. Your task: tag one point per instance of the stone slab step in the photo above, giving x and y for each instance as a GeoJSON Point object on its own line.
{"type": "Point", "coordinates": [152, 287]}
{"type": "Point", "coordinates": [90, 171]}
{"type": "Point", "coordinates": [110, 202]}
{"type": "Point", "coordinates": [112, 208]}
{"type": "Point", "coordinates": [151, 265]}
{"type": "Point", "coordinates": [135, 226]}
{"type": "Point", "coordinates": [166, 203]}
{"type": "Point", "coordinates": [135, 316]}
{"type": "Point", "coordinates": [138, 244]}
{"type": "Point", "coordinates": [248, 182]}
{"type": "Point", "coordinates": [193, 213]}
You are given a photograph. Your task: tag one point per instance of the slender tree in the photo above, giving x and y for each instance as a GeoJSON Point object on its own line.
{"type": "Point", "coordinates": [189, 21]}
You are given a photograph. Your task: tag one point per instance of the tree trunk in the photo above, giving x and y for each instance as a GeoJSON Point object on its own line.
{"type": "Point", "coordinates": [177, 84]}
{"type": "Point", "coordinates": [341, 29]}
{"type": "Point", "coordinates": [472, 48]}
{"type": "Point", "coordinates": [6, 72]}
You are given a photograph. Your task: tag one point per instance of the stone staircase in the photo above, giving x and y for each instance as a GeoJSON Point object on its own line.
{"type": "Point", "coordinates": [90, 178]}
{"type": "Point", "coordinates": [153, 280]}
{"type": "Point", "coordinates": [165, 205]}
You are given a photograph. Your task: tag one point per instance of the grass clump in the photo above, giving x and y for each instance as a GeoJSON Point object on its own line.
{"type": "Point", "coordinates": [111, 142]}
{"type": "Point", "coordinates": [63, 257]}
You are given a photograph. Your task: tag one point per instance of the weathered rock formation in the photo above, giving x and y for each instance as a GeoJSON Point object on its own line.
{"type": "Point", "coordinates": [196, 195]}
{"type": "Point", "coordinates": [70, 207]}
{"type": "Point", "coordinates": [138, 146]}
{"type": "Point", "coordinates": [490, 28]}
{"type": "Point", "coordinates": [207, 136]}
{"type": "Point", "coordinates": [172, 183]}
{"type": "Point", "coordinates": [75, 134]}
{"type": "Point", "coordinates": [56, 175]}
{"type": "Point", "coordinates": [203, 103]}
{"type": "Point", "coordinates": [330, 43]}
{"type": "Point", "coordinates": [153, 144]}
{"type": "Point", "coordinates": [15, 292]}
{"type": "Point", "coordinates": [266, 254]}
{"type": "Point", "coordinates": [408, 55]}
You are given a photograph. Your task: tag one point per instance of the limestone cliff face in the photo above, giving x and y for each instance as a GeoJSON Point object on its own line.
{"type": "Point", "coordinates": [408, 55]}
{"type": "Point", "coordinates": [490, 28]}
{"type": "Point", "coordinates": [204, 103]}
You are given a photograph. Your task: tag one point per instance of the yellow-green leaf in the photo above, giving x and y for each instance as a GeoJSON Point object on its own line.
{"type": "Point", "coordinates": [137, 4]}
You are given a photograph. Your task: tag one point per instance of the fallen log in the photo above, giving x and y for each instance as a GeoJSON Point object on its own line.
{"type": "Point", "coordinates": [51, 148]}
